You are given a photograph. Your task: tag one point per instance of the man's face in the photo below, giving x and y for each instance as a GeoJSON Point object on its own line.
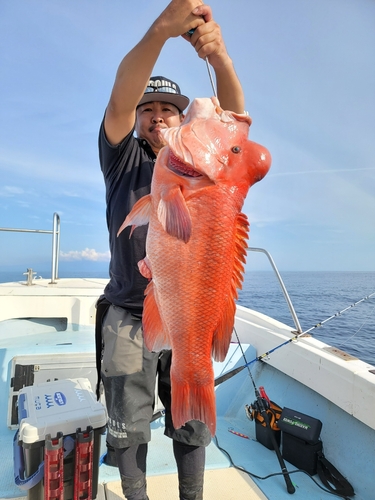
{"type": "Point", "coordinates": [154, 116]}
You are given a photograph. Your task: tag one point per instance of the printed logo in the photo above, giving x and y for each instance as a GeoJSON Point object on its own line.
{"type": "Point", "coordinates": [60, 398]}
{"type": "Point", "coordinates": [161, 83]}
{"type": "Point", "coordinates": [49, 400]}
{"type": "Point", "coordinates": [296, 423]}
{"type": "Point", "coordinates": [80, 395]}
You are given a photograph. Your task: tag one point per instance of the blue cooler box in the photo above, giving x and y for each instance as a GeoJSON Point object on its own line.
{"type": "Point", "coordinates": [55, 408]}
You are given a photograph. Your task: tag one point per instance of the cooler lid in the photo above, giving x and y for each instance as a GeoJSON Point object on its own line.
{"type": "Point", "coordinates": [58, 406]}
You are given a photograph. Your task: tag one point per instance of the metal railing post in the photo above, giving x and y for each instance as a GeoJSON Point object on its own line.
{"type": "Point", "coordinates": [55, 248]}
{"type": "Point", "coordinates": [55, 242]}
{"type": "Point", "coordinates": [281, 283]}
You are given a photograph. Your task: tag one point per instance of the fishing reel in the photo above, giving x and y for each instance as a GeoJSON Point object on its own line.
{"type": "Point", "coordinates": [262, 405]}
{"type": "Point", "coordinates": [253, 410]}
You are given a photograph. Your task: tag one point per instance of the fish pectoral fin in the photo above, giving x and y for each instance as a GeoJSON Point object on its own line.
{"type": "Point", "coordinates": [155, 335]}
{"type": "Point", "coordinates": [145, 268]}
{"type": "Point", "coordinates": [223, 333]}
{"type": "Point", "coordinates": [139, 214]}
{"type": "Point", "coordinates": [174, 215]}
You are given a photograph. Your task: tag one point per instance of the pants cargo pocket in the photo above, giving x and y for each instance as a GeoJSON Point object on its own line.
{"type": "Point", "coordinates": [123, 343]}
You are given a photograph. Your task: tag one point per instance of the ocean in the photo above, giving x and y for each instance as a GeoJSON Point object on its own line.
{"type": "Point", "coordinates": [316, 296]}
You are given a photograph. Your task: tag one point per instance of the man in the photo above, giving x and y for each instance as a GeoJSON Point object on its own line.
{"type": "Point", "coordinates": [146, 105]}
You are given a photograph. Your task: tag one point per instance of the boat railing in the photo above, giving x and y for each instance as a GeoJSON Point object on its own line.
{"type": "Point", "coordinates": [281, 283]}
{"type": "Point", "coordinates": [56, 250]}
{"type": "Point", "coordinates": [55, 244]}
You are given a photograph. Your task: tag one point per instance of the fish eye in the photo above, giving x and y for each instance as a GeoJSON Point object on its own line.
{"type": "Point", "coordinates": [236, 149]}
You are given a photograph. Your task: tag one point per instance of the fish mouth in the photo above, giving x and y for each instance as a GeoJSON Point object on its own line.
{"type": "Point", "coordinates": [181, 168]}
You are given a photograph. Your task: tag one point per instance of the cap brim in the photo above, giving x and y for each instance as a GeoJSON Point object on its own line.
{"type": "Point", "coordinates": [178, 100]}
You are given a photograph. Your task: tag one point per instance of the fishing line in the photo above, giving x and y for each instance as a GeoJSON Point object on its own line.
{"type": "Point", "coordinates": [189, 33]}
{"type": "Point", "coordinates": [263, 411]}
{"type": "Point", "coordinates": [234, 372]}
{"type": "Point", "coordinates": [244, 357]}
{"type": "Point", "coordinates": [360, 328]}
{"type": "Point", "coordinates": [318, 325]}
{"type": "Point", "coordinates": [337, 314]}
{"type": "Point", "coordinates": [211, 78]}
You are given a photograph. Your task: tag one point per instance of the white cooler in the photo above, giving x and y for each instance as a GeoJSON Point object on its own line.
{"type": "Point", "coordinates": [56, 410]}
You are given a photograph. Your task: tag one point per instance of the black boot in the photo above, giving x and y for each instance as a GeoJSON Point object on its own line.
{"type": "Point", "coordinates": [191, 487]}
{"type": "Point", "coordinates": [134, 488]}
{"type": "Point", "coordinates": [190, 465]}
{"type": "Point", "coordinates": [131, 462]}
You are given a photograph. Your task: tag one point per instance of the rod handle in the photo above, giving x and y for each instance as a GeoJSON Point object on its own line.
{"type": "Point", "coordinates": [289, 485]}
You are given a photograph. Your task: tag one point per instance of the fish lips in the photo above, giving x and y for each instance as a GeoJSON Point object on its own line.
{"type": "Point", "coordinates": [181, 168]}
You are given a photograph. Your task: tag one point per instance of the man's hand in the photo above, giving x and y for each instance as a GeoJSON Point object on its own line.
{"type": "Point", "coordinates": [209, 43]}
{"type": "Point", "coordinates": [207, 39]}
{"type": "Point", "coordinates": [178, 18]}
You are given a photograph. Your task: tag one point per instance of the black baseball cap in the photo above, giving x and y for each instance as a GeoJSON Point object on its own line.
{"type": "Point", "coordinates": [160, 88]}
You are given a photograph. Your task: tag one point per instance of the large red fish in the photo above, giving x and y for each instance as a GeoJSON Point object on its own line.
{"type": "Point", "coordinates": [196, 247]}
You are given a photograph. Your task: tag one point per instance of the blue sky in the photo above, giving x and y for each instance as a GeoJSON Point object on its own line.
{"type": "Point", "coordinates": [308, 72]}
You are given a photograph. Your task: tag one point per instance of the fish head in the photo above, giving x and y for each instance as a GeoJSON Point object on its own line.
{"type": "Point", "coordinates": [213, 144]}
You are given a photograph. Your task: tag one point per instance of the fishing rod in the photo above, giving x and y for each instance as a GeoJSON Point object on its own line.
{"type": "Point", "coordinates": [262, 409]}
{"type": "Point", "coordinates": [234, 372]}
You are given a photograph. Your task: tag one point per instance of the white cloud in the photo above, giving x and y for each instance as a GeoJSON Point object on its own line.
{"type": "Point", "coordinates": [9, 191]}
{"type": "Point", "coordinates": [86, 254]}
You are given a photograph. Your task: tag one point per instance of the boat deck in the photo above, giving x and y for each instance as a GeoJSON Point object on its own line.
{"type": "Point", "coordinates": [228, 484]}
{"type": "Point", "coordinates": [46, 339]}
{"type": "Point", "coordinates": [222, 481]}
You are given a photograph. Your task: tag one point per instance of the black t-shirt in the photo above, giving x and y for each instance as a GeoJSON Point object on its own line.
{"type": "Point", "coordinates": [127, 169]}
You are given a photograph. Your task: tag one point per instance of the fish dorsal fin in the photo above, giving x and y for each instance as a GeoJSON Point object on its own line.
{"type": "Point", "coordinates": [139, 214]}
{"type": "Point", "coordinates": [223, 333]}
{"type": "Point", "coordinates": [174, 215]}
{"type": "Point", "coordinates": [155, 335]}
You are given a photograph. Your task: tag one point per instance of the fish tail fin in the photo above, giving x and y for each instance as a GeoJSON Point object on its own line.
{"type": "Point", "coordinates": [193, 402]}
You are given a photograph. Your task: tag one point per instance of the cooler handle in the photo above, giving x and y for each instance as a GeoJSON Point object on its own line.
{"type": "Point", "coordinates": [19, 465]}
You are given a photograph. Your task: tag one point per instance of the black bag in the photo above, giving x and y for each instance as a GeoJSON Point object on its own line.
{"type": "Point", "coordinates": [273, 411]}
{"type": "Point", "coordinates": [300, 453]}
{"type": "Point", "coordinates": [300, 443]}
{"type": "Point", "coordinates": [302, 447]}
{"type": "Point", "coordinates": [262, 433]}
{"type": "Point", "coordinates": [300, 425]}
